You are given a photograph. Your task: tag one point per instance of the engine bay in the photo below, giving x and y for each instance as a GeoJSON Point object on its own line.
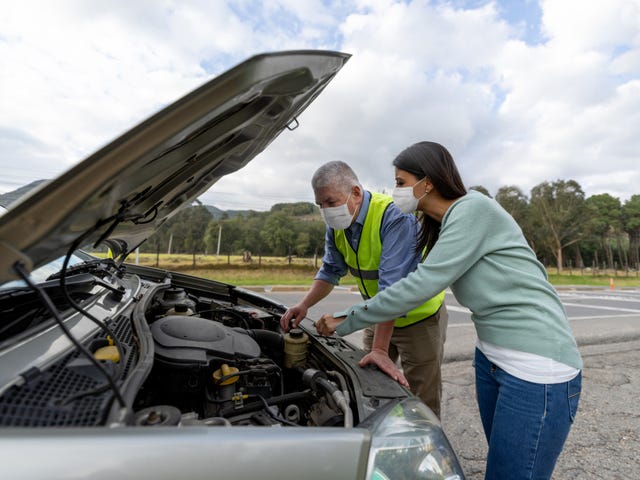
{"type": "Point", "coordinates": [179, 351]}
{"type": "Point", "coordinates": [216, 362]}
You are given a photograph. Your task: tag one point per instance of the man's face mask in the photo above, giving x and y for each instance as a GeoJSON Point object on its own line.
{"type": "Point", "coordinates": [338, 218]}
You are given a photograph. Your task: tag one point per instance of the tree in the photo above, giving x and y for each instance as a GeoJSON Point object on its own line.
{"type": "Point", "coordinates": [195, 225]}
{"type": "Point", "coordinates": [297, 209]}
{"type": "Point", "coordinates": [481, 189]}
{"type": "Point", "coordinates": [557, 209]}
{"type": "Point", "coordinates": [316, 230]}
{"type": "Point", "coordinates": [603, 221]}
{"type": "Point", "coordinates": [631, 224]}
{"type": "Point", "coordinates": [278, 233]}
{"type": "Point", "coordinates": [515, 203]}
{"type": "Point", "coordinates": [230, 233]}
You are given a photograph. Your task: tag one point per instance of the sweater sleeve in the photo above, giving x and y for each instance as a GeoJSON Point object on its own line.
{"type": "Point", "coordinates": [458, 248]}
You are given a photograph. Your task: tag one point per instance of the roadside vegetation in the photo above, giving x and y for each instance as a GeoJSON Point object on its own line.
{"type": "Point", "coordinates": [235, 269]}
{"type": "Point", "coordinates": [566, 230]}
{"type": "Point", "coordinates": [582, 241]}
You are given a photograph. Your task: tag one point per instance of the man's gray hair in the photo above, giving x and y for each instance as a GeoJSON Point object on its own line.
{"type": "Point", "coordinates": [335, 174]}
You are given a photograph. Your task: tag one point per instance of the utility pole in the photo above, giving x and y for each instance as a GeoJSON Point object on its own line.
{"type": "Point", "coordinates": [219, 237]}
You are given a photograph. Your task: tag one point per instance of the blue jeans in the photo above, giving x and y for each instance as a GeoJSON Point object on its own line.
{"type": "Point", "coordinates": [526, 424]}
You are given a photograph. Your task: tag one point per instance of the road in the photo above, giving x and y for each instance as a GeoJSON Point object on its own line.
{"type": "Point", "coordinates": [596, 315]}
{"type": "Point", "coordinates": [605, 439]}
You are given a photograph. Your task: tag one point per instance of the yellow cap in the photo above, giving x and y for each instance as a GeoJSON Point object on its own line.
{"type": "Point", "coordinates": [223, 371]}
{"type": "Point", "coordinates": [107, 353]}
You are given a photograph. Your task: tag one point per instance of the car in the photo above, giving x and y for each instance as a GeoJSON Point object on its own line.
{"type": "Point", "coordinates": [114, 370]}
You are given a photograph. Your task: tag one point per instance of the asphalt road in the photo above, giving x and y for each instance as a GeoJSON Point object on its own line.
{"type": "Point", "coordinates": [604, 442]}
{"type": "Point", "coordinates": [596, 315]}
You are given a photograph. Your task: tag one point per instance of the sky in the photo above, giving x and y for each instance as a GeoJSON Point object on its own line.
{"type": "Point", "coordinates": [520, 92]}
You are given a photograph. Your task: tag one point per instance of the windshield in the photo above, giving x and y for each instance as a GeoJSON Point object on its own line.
{"type": "Point", "coordinates": [41, 274]}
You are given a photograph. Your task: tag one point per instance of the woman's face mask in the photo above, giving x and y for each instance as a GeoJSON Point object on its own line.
{"type": "Point", "coordinates": [405, 199]}
{"type": "Point", "coordinates": [338, 218]}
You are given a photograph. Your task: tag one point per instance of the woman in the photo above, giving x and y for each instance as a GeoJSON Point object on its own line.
{"type": "Point", "coordinates": [527, 364]}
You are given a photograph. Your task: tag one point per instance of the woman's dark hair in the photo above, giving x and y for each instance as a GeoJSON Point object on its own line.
{"type": "Point", "coordinates": [431, 160]}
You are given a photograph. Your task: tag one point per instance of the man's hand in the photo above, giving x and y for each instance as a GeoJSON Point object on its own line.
{"type": "Point", "coordinates": [328, 324]}
{"type": "Point", "coordinates": [381, 359]}
{"type": "Point", "coordinates": [293, 316]}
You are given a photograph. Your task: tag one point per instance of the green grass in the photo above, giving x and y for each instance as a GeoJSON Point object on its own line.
{"type": "Point", "coordinates": [622, 280]}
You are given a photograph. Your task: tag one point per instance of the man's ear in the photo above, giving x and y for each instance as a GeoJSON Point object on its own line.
{"type": "Point", "coordinates": [357, 192]}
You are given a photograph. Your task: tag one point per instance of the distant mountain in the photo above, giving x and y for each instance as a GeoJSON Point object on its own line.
{"type": "Point", "coordinates": [301, 210]}
{"type": "Point", "coordinates": [217, 214]}
{"type": "Point", "coordinates": [8, 198]}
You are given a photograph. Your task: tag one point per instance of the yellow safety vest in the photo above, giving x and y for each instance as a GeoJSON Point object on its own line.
{"type": "Point", "coordinates": [365, 263]}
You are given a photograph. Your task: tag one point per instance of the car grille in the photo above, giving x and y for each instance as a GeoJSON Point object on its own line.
{"type": "Point", "coordinates": [40, 401]}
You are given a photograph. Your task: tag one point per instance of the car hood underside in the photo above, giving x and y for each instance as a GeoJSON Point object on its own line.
{"type": "Point", "coordinates": [121, 194]}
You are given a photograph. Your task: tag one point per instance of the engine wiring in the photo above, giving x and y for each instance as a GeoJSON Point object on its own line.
{"type": "Point", "coordinates": [20, 269]}
{"type": "Point", "coordinates": [65, 291]}
{"type": "Point", "coordinates": [22, 272]}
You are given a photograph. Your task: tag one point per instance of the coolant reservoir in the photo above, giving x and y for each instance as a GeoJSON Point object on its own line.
{"type": "Point", "coordinates": [295, 348]}
{"type": "Point", "coordinates": [179, 309]}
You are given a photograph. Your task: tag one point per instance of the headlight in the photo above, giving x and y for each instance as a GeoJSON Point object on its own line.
{"type": "Point", "coordinates": [409, 444]}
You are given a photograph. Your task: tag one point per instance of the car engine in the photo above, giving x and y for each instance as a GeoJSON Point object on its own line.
{"type": "Point", "coordinates": [220, 363]}
{"type": "Point", "coordinates": [184, 351]}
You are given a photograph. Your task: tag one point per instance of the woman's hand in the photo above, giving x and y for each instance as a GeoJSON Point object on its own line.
{"type": "Point", "coordinates": [328, 324]}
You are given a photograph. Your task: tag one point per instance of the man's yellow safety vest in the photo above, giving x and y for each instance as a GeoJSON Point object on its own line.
{"type": "Point", "coordinates": [365, 262]}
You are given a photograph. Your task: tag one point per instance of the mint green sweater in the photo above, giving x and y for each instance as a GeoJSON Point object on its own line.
{"type": "Point", "coordinates": [483, 256]}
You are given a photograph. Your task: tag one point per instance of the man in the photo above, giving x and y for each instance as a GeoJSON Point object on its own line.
{"type": "Point", "coordinates": [370, 237]}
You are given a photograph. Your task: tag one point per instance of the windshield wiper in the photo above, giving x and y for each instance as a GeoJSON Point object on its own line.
{"type": "Point", "coordinates": [99, 265]}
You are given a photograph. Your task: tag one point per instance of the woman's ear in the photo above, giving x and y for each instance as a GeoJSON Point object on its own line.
{"type": "Point", "coordinates": [428, 186]}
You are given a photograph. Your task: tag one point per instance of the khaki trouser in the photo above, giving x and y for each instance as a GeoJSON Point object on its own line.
{"type": "Point", "coordinates": [420, 347]}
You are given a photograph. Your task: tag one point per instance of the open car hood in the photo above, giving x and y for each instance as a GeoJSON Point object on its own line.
{"type": "Point", "coordinates": [121, 194]}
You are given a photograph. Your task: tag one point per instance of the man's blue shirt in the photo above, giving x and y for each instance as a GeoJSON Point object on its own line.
{"type": "Point", "coordinates": [398, 234]}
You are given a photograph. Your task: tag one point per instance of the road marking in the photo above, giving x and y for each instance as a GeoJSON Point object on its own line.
{"type": "Point", "coordinates": [599, 307]}
{"type": "Point", "coordinates": [455, 308]}
{"type": "Point", "coordinates": [607, 298]}
{"type": "Point", "coordinates": [604, 317]}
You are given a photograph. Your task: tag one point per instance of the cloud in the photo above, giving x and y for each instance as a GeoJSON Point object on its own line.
{"type": "Point", "coordinates": [519, 96]}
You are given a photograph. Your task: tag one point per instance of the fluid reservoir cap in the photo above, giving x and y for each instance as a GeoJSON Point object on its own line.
{"type": "Point", "coordinates": [224, 371]}
{"type": "Point", "coordinates": [159, 415]}
{"type": "Point", "coordinates": [296, 333]}
{"type": "Point", "coordinates": [109, 353]}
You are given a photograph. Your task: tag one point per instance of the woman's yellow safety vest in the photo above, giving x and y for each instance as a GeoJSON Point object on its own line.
{"type": "Point", "coordinates": [365, 263]}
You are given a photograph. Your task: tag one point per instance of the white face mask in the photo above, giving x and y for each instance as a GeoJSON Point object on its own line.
{"type": "Point", "coordinates": [338, 218]}
{"type": "Point", "coordinates": [404, 198]}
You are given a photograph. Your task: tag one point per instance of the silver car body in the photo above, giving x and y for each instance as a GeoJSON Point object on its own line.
{"type": "Point", "coordinates": [328, 418]}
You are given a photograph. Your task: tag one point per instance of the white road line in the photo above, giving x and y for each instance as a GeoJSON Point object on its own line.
{"type": "Point", "coordinates": [595, 317]}
{"type": "Point", "coordinates": [604, 317]}
{"type": "Point", "coordinates": [599, 307]}
{"type": "Point", "coordinates": [607, 298]}
{"type": "Point", "coordinates": [455, 308]}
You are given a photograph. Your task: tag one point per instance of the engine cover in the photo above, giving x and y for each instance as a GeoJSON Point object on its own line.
{"type": "Point", "coordinates": [185, 339]}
